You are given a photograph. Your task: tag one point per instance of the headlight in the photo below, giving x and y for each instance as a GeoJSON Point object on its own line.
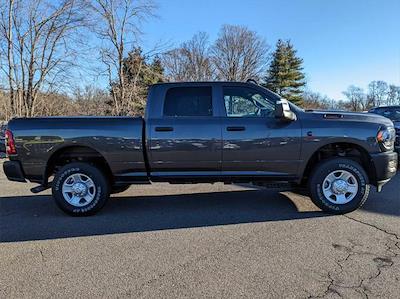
{"type": "Point", "coordinates": [385, 138]}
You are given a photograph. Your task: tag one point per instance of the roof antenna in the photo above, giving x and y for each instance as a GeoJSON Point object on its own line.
{"type": "Point", "coordinates": [252, 81]}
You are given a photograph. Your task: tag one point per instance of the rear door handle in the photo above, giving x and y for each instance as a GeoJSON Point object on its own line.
{"type": "Point", "coordinates": [164, 129]}
{"type": "Point", "coordinates": [235, 129]}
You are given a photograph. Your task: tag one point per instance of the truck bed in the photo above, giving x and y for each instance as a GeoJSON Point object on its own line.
{"type": "Point", "coordinates": [117, 139]}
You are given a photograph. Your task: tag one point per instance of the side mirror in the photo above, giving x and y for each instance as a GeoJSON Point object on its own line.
{"type": "Point", "coordinates": [282, 111]}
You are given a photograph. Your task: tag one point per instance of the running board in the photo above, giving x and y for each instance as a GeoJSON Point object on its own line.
{"type": "Point", "coordinates": [40, 188]}
{"type": "Point", "coordinates": [276, 185]}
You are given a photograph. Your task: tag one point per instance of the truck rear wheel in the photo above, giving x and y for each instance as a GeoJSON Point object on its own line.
{"type": "Point", "coordinates": [80, 189]}
{"type": "Point", "coordinates": [339, 186]}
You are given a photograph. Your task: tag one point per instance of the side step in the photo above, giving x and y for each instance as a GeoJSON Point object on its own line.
{"type": "Point", "coordinates": [40, 188]}
{"type": "Point", "coordinates": [275, 185]}
{"type": "Point", "coordinates": [283, 187]}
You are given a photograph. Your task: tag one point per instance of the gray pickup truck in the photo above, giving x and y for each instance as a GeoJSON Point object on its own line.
{"type": "Point", "coordinates": [205, 132]}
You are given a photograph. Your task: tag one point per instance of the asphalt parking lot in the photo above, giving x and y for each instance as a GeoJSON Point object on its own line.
{"type": "Point", "coordinates": [196, 241]}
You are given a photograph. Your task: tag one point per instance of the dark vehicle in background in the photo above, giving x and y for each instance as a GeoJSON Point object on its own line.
{"type": "Point", "coordinates": [393, 113]}
{"type": "Point", "coordinates": [205, 132]}
{"type": "Point", "coordinates": [3, 128]}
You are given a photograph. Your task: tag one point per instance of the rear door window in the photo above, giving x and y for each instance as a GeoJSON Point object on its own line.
{"type": "Point", "coordinates": [188, 102]}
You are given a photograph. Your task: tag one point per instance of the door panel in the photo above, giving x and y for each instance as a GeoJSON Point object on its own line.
{"type": "Point", "coordinates": [187, 137]}
{"type": "Point", "coordinates": [185, 144]}
{"type": "Point", "coordinates": [265, 145]}
{"type": "Point", "coordinates": [253, 140]}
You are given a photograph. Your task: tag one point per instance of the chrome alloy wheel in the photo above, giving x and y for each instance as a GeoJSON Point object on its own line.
{"type": "Point", "coordinates": [340, 187]}
{"type": "Point", "coordinates": [79, 190]}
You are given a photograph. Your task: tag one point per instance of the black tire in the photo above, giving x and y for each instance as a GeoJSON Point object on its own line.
{"type": "Point", "coordinates": [321, 172]}
{"type": "Point", "coordinates": [119, 189]}
{"type": "Point", "coordinates": [100, 189]}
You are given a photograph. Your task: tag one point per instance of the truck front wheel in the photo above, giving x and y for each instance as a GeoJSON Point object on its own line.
{"type": "Point", "coordinates": [339, 186]}
{"type": "Point", "coordinates": [80, 189]}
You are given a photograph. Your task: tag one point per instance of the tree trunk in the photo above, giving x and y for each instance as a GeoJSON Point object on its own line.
{"type": "Point", "coordinates": [10, 59]}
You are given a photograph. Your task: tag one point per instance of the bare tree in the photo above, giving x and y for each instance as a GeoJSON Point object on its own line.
{"type": "Point", "coordinates": [91, 101]}
{"type": "Point", "coordinates": [341, 105]}
{"type": "Point", "coordinates": [191, 61]}
{"type": "Point", "coordinates": [54, 104]}
{"type": "Point", "coordinates": [37, 37]}
{"type": "Point", "coordinates": [239, 54]}
{"type": "Point", "coordinates": [377, 93]}
{"type": "Point", "coordinates": [356, 97]}
{"type": "Point", "coordinates": [117, 23]}
{"type": "Point", "coordinates": [4, 104]}
{"type": "Point", "coordinates": [314, 100]}
{"type": "Point", "coordinates": [393, 95]}
{"type": "Point", "coordinates": [175, 64]}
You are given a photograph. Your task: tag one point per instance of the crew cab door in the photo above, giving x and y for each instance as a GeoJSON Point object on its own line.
{"type": "Point", "coordinates": [255, 143]}
{"type": "Point", "coordinates": [186, 139]}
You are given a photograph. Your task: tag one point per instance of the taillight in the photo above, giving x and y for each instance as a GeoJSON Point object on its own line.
{"type": "Point", "coordinates": [10, 143]}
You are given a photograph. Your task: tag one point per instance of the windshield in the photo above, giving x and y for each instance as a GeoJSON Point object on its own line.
{"type": "Point", "coordinates": [393, 113]}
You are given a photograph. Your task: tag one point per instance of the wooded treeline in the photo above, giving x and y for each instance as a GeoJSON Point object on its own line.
{"type": "Point", "coordinates": [44, 43]}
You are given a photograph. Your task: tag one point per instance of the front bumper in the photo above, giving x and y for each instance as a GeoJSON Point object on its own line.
{"type": "Point", "coordinates": [13, 171]}
{"type": "Point", "coordinates": [385, 166]}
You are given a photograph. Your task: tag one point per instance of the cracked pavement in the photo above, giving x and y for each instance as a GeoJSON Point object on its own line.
{"type": "Point", "coordinates": [198, 241]}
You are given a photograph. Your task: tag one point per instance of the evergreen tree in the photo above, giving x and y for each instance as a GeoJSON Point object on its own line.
{"type": "Point", "coordinates": [138, 75]}
{"type": "Point", "coordinates": [156, 71]}
{"type": "Point", "coordinates": [285, 75]}
{"type": "Point", "coordinates": [137, 69]}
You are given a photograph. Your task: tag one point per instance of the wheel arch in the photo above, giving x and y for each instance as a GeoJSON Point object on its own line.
{"type": "Point", "coordinates": [76, 153]}
{"type": "Point", "coordinates": [349, 150]}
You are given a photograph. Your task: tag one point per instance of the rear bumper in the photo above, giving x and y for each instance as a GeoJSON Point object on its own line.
{"type": "Point", "coordinates": [13, 171]}
{"type": "Point", "coordinates": [385, 165]}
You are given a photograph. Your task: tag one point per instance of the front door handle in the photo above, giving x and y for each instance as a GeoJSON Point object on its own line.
{"type": "Point", "coordinates": [164, 129]}
{"type": "Point", "coordinates": [235, 129]}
